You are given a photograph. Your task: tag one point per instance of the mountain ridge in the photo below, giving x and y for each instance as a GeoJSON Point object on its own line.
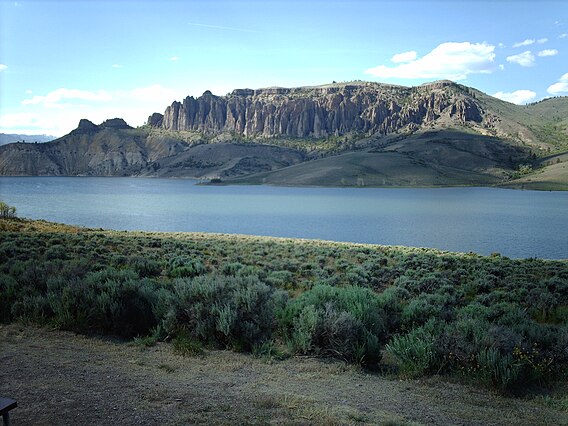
{"type": "Point", "coordinates": [6, 138]}
{"type": "Point", "coordinates": [440, 133]}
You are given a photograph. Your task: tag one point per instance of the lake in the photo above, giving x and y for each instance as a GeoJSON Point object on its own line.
{"type": "Point", "coordinates": [482, 220]}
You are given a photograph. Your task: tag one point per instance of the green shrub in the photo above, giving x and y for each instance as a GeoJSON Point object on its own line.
{"type": "Point", "coordinates": [156, 334]}
{"type": "Point", "coordinates": [56, 251]}
{"type": "Point", "coordinates": [31, 308]}
{"type": "Point", "coordinates": [494, 369]}
{"type": "Point", "coordinates": [232, 268]}
{"type": "Point", "coordinates": [183, 266]}
{"type": "Point", "coordinates": [9, 294]}
{"type": "Point", "coordinates": [109, 301]}
{"type": "Point", "coordinates": [393, 300]}
{"type": "Point", "coordinates": [144, 266]}
{"type": "Point", "coordinates": [280, 279]}
{"type": "Point", "coordinates": [342, 322]}
{"type": "Point", "coordinates": [415, 352]}
{"type": "Point", "coordinates": [305, 325]}
{"type": "Point", "coordinates": [421, 309]}
{"type": "Point", "coordinates": [237, 312]}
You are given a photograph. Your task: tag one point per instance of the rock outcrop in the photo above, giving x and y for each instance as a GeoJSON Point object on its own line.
{"type": "Point", "coordinates": [316, 112]}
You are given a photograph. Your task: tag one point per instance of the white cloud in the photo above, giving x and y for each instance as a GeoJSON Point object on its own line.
{"type": "Point", "coordinates": [116, 66]}
{"type": "Point", "coordinates": [560, 87]}
{"type": "Point", "coordinates": [526, 42]}
{"type": "Point", "coordinates": [58, 112]}
{"type": "Point", "coordinates": [454, 61]}
{"type": "Point", "coordinates": [501, 67]}
{"type": "Point", "coordinates": [3, 67]}
{"type": "Point", "coordinates": [501, 45]}
{"type": "Point", "coordinates": [563, 35]}
{"type": "Point", "coordinates": [548, 52]}
{"type": "Point", "coordinates": [518, 97]}
{"type": "Point", "coordinates": [174, 58]}
{"type": "Point", "coordinates": [404, 57]}
{"type": "Point", "coordinates": [62, 96]}
{"type": "Point", "coordinates": [525, 59]}
{"type": "Point", "coordinates": [29, 92]}
{"type": "Point", "coordinates": [542, 40]}
{"type": "Point", "coordinates": [18, 120]}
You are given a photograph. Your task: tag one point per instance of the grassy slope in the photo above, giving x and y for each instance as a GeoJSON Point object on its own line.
{"type": "Point", "coordinates": [433, 158]}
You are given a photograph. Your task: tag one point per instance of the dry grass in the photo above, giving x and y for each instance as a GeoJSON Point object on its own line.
{"type": "Point", "coordinates": [64, 377]}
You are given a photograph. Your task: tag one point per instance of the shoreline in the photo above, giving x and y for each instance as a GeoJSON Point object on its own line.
{"type": "Point", "coordinates": [251, 238]}
{"type": "Point", "coordinates": [207, 182]}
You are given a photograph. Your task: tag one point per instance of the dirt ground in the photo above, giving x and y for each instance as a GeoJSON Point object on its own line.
{"type": "Point", "coordinates": [60, 378]}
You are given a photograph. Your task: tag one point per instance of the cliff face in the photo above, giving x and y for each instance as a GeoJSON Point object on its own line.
{"type": "Point", "coordinates": [321, 111]}
{"type": "Point", "coordinates": [116, 149]}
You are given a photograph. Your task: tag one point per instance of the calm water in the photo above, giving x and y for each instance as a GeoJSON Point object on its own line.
{"type": "Point", "coordinates": [483, 220]}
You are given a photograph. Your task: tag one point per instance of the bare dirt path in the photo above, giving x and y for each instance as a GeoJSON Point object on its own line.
{"type": "Point", "coordinates": [60, 378]}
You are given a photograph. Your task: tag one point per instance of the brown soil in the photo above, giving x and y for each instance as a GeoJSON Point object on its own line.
{"type": "Point", "coordinates": [67, 379]}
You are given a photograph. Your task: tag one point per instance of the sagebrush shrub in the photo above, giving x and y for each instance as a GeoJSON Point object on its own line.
{"type": "Point", "coordinates": [415, 352]}
{"type": "Point", "coordinates": [343, 322]}
{"type": "Point", "coordinates": [112, 301]}
{"type": "Point", "coordinates": [185, 266]}
{"type": "Point", "coordinates": [226, 311]}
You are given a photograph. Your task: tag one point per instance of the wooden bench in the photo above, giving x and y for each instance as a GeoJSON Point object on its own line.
{"type": "Point", "coordinates": [7, 404]}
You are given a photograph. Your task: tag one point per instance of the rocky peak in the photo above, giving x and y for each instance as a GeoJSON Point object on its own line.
{"type": "Point", "coordinates": [155, 120]}
{"type": "Point", "coordinates": [115, 123]}
{"type": "Point", "coordinates": [86, 126]}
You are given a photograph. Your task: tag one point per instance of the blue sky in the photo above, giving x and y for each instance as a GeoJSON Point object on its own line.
{"type": "Point", "coordinates": [65, 60]}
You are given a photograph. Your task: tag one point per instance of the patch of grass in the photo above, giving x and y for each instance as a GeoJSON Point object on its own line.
{"type": "Point", "coordinates": [146, 341]}
{"type": "Point", "coordinates": [167, 368]}
{"type": "Point", "coordinates": [186, 346]}
{"type": "Point", "coordinates": [270, 351]}
{"type": "Point", "coordinates": [558, 403]}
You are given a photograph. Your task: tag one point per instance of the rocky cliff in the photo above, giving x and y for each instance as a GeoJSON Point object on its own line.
{"type": "Point", "coordinates": [317, 112]}
{"type": "Point", "coordinates": [115, 149]}
{"type": "Point", "coordinates": [358, 133]}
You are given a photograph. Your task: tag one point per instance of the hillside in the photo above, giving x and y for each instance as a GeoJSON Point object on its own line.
{"type": "Point", "coordinates": [357, 133]}
{"type": "Point", "coordinates": [116, 149]}
{"type": "Point", "coordinates": [433, 158]}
